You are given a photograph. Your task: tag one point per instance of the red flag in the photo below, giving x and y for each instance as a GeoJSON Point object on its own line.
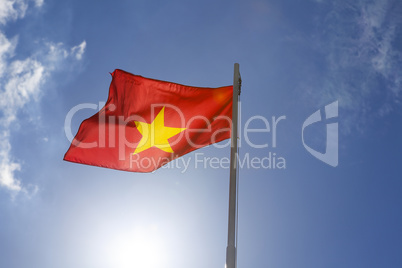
{"type": "Point", "coordinates": [147, 123]}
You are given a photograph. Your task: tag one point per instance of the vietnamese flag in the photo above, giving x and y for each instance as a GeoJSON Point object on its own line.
{"type": "Point", "coordinates": [147, 123]}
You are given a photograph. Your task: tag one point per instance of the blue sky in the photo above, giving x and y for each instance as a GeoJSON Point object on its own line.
{"type": "Point", "coordinates": [295, 58]}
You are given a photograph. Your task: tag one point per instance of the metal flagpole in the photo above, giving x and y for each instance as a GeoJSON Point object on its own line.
{"type": "Point", "coordinates": [231, 247]}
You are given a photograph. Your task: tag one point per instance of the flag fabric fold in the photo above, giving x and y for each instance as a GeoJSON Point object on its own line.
{"type": "Point", "coordinates": [147, 123]}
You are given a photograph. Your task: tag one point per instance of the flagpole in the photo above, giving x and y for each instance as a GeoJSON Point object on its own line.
{"type": "Point", "coordinates": [231, 251]}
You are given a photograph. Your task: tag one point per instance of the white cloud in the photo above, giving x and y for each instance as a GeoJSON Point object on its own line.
{"type": "Point", "coordinates": [39, 3]}
{"type": "Point", "coordinates": [15, 9]}
{"type": "Point", "coordinates": [21, 82]}
{"type": "Point", "coordinates": [79, 50]}
{"type": "Point", "coordinates": [7, 48]}
{"type": "Point", "coordinates": [24, 79]}
{"type": "Point", "coordinates": [363, 63]}
{"type": "Point", "coordinates": [12, 10]}
{"type": "Point", "coordinates": [8, 167]}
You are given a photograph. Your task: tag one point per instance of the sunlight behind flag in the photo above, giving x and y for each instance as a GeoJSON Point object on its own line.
{"type": "Point", "coordinates": [143, 247]}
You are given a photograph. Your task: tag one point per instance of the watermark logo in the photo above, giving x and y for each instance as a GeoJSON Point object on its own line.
{"type": "Point", "coordinates": [258, 132]}
{"type": "Point", "coordinates": [330, 156]}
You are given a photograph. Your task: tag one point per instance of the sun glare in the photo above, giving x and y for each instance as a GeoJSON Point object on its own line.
{"type": "Point", "coordinates": [142, 248]}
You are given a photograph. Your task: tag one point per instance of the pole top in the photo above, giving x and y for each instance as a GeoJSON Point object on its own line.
{"type": "Point", "coordinates": [237, 77]}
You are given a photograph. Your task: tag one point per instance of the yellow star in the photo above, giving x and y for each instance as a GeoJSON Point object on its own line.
{"type": "Point", "coordinates": [156, 134]}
